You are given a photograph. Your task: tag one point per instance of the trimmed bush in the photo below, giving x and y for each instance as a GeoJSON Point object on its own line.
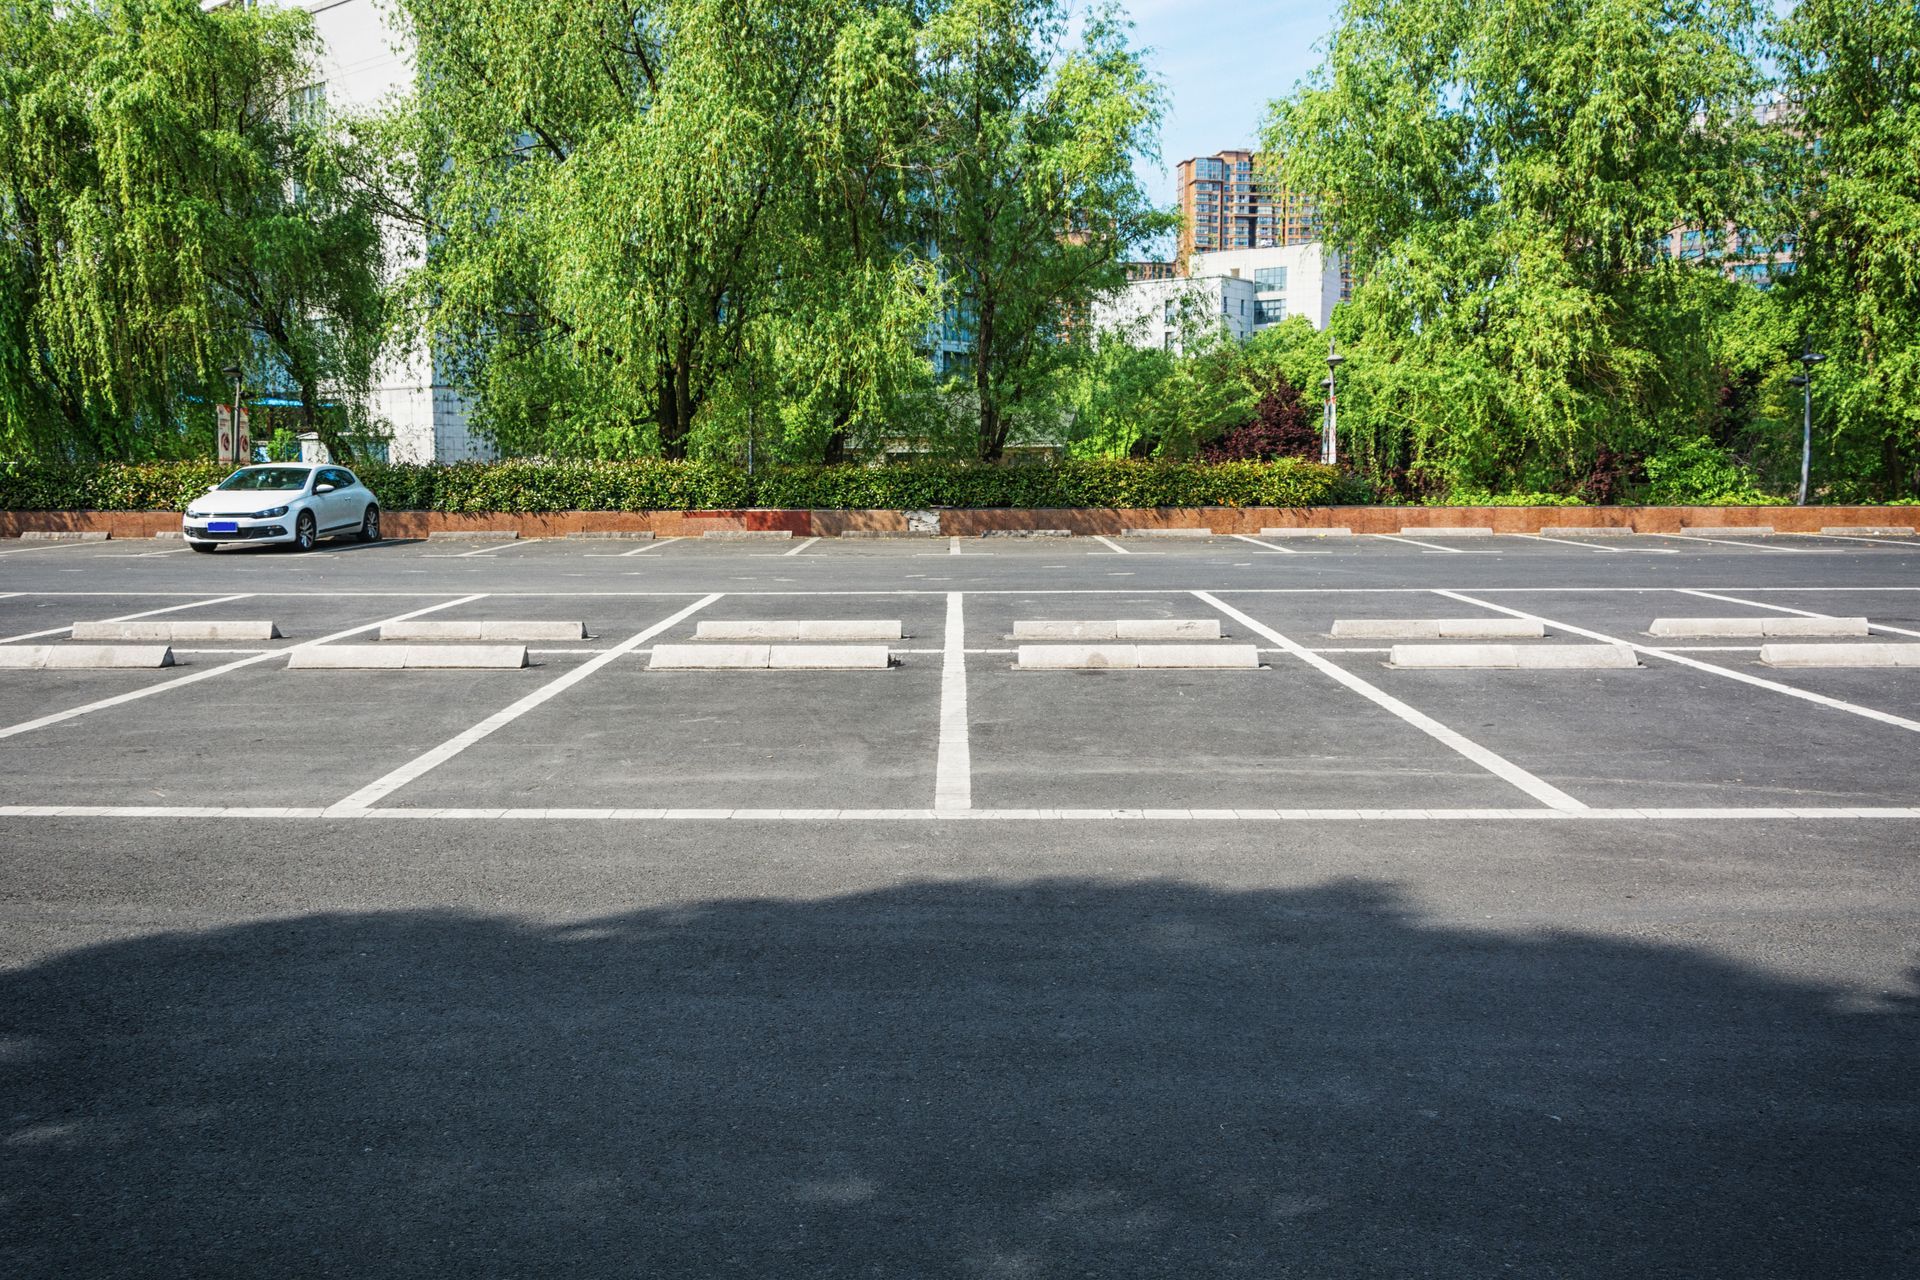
{"type": "Point", "coordinates": [1481, 498]}
{"type": "Point", "coordinates": [530, 487]}
{"type": "Point", "coordinates": [109, 486]}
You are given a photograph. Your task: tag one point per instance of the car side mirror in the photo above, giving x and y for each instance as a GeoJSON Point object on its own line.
{"type": "Point", "coordinates": [323, 488]}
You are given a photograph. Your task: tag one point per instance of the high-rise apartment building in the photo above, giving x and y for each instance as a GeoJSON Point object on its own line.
{"type": "Point", "coordinates": [1222, 206]}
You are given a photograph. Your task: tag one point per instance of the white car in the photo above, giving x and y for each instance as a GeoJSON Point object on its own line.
{"type": "Point", "coordinates": [282, 502]}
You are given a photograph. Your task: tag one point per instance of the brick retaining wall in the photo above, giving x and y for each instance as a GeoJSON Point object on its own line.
{"type": "Point", "coordinates": [975, 521]}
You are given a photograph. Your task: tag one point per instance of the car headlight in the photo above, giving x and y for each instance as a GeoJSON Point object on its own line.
{"type": "Point", "coordinates": [192, 514]}
{"type": "Point", "coordinates": [269, 513]}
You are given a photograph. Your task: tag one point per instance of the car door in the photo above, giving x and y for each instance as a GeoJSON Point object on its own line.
{"type": "Point", "coordinates": [337, 508]}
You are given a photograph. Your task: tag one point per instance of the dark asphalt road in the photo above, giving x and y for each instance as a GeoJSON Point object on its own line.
{"type": "Point", "coordinates": [362, 1048]}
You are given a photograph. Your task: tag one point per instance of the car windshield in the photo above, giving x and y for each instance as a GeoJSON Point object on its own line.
{"type": "Point", "coordinates": [258, 478]}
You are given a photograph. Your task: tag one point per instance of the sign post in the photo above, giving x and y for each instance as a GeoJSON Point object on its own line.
{"type": "Point", "coordinates": [236, 439]}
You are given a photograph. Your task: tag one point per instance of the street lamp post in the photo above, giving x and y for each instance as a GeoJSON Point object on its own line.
{"type": "Point", "coordinates": [232, 374]}
{"type": "Point", "coordinates": [1330, 424]}
{"type": "Point", "coordinates": [1804, 380]}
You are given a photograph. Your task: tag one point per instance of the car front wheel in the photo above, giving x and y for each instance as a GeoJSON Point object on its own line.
{"type": "Point", "coordinates": [305, 532]}
{"type": "Point", "coordinates": [370, 525]}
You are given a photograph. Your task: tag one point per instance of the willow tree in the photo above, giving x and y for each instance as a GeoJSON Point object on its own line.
{"type": "Point", "coordinates": [165, 210]}
{"type": "Point", "coordinates": [633, 209]}
{"type": "Point", "coordinates": [1033, 205]}
{"type": "Point", "coordinates": [1502, 176]}
{"type": "Point", "coordinates": [1851, 108]}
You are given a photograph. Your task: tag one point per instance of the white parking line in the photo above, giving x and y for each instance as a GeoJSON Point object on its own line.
{"type": "Point", "coordinates": [48, 546]}
{"type": "Point", "coordinates": [1285, 551]}
{"type": "Point", "coordinates": [195, 678]}
{"type": "Point", "coordinates": [487, 551]}
{"type": "Point", "coordinates": [129, 617]}
{"type": "Point", "coordinates": [1780, 608]}
{"type": "Point", "coordinates": [1111, 543]}
{"type": "Point", "coordinates": [637, 551]}
{"type": "Point", "coordinates": [953, 767]}
{"type": "Point", "coordinates": [1594, 546]}
{"type": "Point", "coordinates": [1431, 546]}
{"type": "Point", "coordinates": [379, 788]}
{"type": "Point", "coordinates": [802, 547]}
{"type": "Point", "coordinates": [1905, 544]}
{"type": "Point", "coordinates": [266, 814]}
{"type": "Point", "coordinates": [1731, 542]}
{"type": "Point", "coordinates": [1493, 763]}
{"type": "Point", "coordinates": [1805, 695]}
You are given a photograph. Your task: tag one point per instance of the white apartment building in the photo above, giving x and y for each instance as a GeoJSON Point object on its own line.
{"type": "Point", "coordinates": [1289, 280]}
{"type": "Point", "coordinates": [364, 61]}
{"type": "Point", "coordinates": [1171, 314]}
{"type": "Point", "coordinates": [1247, 289]}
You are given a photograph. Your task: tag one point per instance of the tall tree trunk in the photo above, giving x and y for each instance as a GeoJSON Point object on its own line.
{"type": "Point", "coordinates": [677, 403]}
{"type": "Point", "coordinates": [836, 451]}
{"type": "Point", "coordinates": [672, 443]}
{"type": "Point", "coordinates": [993, 432]}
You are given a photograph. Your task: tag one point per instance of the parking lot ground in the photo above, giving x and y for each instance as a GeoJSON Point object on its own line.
{"type": "Point", "coordinates": [952, 970]}
{"type": "Point", "coordinates": [1282, 737]}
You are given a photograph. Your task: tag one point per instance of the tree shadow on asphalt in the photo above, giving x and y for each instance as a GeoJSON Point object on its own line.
{"type": "Point", "coordinates": [1059, 1078]}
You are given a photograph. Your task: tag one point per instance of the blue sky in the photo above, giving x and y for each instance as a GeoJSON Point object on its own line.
{"type": "Point", "coordinates": [1222, 63]}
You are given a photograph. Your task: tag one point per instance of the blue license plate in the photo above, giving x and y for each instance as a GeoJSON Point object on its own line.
{"type": "Point", "coordinates": [223, 526]}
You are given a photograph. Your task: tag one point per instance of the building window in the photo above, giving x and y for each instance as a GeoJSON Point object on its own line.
{"type": "Point", "coordinates": [307, 105]}
{"type": "Point", "coordinates": [1269, 312]}
{"type": "Point", "coordinates": [1274, 278]}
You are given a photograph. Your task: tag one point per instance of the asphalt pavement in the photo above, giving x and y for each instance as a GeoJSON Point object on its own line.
{"type": "Point", "coordinates": [1321, 969]}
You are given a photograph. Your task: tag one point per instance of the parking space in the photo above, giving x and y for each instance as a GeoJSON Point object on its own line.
{"type": "Point", "coordinates": [1324, 727]}
{"type": "Point", "coordinates": [635, 738]}
{"type": "Point", "coordinates": [260, 736]}
{"type": "Point", "coordinates": [1706, 726]}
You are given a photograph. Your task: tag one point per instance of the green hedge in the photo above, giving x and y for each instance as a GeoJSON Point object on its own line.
{"type": "Point", "coordinates": [526, 487]}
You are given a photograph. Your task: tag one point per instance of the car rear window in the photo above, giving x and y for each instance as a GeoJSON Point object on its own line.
{"type": "Point", "coordinates": [268, 478]}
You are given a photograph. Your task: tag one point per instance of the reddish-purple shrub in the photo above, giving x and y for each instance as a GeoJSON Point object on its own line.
{"type": "Point", "coordinates": [1282, 427]}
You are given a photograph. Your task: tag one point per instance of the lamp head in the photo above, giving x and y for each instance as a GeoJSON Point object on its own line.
{"type": "Point", "coordinates": [1797, 380]}
{"type": "Point", "coordinates": [231, 373]}
{"type": "Point", "coordinates": [1811, 358]}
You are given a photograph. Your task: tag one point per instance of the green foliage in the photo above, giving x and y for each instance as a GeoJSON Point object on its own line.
{"type": "Point", "coordinates": [1107, 483]}
{"type": "Point", "coordinates": [167, 207]}
{"type": "Point", "coordinates": [524, 487]}
{"type": "Point", "coordinates": [669, 227]}
{"type": "Point", "coordinates": [685, 225]}
{"type": "Point", "coordinates": [1499, 174]}
{"type": "Point", "coordinates": [106, 486]}
{"type": "Point", "coordinates": [1131, 401]}
{"type": "Point", "coordinates": [1034, 201]}
{"type": "Point", "coordinates": [1850, 143]}
{"type": "Point", "coordinates": [1481, 498]}
{"type": "Point", "coordinates": [283, 446]}
{"type": "Point", "coordinates": [1700, 473]}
